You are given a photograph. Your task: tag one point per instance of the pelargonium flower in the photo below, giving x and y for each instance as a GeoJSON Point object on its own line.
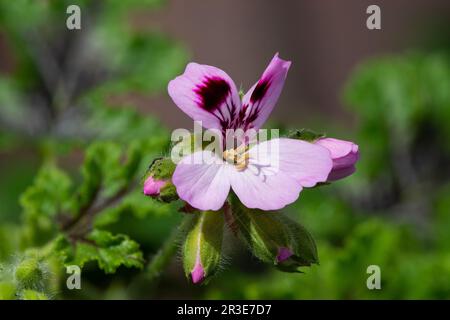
{"type": "Point", "coordinates": [209, 95]}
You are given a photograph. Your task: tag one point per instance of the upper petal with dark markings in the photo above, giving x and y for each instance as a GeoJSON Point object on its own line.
{"type": "Point", "coordinates": [260, 100]}
{"type": "Point", "coordinates": [206, 94]}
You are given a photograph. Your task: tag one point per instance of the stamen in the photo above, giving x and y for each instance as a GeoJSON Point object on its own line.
{"type": "Point", "coordinates": [238, 157]}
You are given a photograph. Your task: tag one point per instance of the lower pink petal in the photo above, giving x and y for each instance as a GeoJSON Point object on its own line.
{"type": "Point", "coordinates": [278, 170]}
{"type": "Point", "coordinates": [265, 192]}
{"type": "Point", "coordinates": [306, 162]}
{"type": "Point", "coordinates": [203, 184]}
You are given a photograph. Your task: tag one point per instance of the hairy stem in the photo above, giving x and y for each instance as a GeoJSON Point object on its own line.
{"type": "Point", "coordinates": [162, 258]}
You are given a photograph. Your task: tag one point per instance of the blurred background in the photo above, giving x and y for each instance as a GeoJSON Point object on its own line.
{"type": "Point", "coordinates": [64, 91]}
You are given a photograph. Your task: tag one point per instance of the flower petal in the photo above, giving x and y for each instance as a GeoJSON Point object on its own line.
{"type": "Point", "coordinates": [153, 187]}
{"type": "Point", "coordinates": [260, 100]}
{"type": "Point", "coordinates": [201, 179]}
{"type": "Point", "coordinates": [265, 192]}
{"type": "Point", "coordinates": [340, 173]}
{"type": "Point", "coordinates": [206, 94]}
{"type": "Point", "coordinates": [344, 153]}
{"type": "Point", "coordinates": [306, 162]}
{"type": "Point", "coordinates": [278, 170]}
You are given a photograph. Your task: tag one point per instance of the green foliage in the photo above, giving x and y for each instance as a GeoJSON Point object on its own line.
{"type": "Point", "coordinates": [74, 110]}
{"type": "Point", "coordinates": [62, 75]}
{"type": "Point", "coordinates": [65, 217]}
{"type": "Point", "coordinates": [110, 251]}
{"type": "Point", "coordinates": [42, 201]}
{"type": "Point", "coordinates": [33, 295]}
{"type": "Point", "coordinates": [399, 98]}
{"type": "Point", "coordinates": [67, 95]}
{"type": "Point", "coordinates": [7, 291]}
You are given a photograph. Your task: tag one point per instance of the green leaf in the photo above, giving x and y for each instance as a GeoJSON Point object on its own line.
{"type": "Point", "coordinates": [122, 122]}
{"type": "Point", "coordinates": [42, 201]}
{"type": "Point", "coordinates": [110, 251]}
{"type": "Point", "coordinates": [135, 204]}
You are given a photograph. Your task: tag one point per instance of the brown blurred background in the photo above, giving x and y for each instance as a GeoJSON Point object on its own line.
{"type": "Point", "coordinates": [325, 40]}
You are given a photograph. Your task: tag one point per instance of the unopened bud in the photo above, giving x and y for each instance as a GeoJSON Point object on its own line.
{"type": "Point", "coordinates": [202, 249]}
{"type": "Point", "coordinates": [344, 154]}
{"type": "Point", "coordinates": [274, 238]}
{"type": "Point", "coordinates": [153, 187]}
{"type": "Point", "coordinates": [157, 181]}
{"type": "Point", "coordinates": [283, 254]}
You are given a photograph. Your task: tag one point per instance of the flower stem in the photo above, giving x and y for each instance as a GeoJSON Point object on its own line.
{"type": "Point", "coordinates": [167, 251]}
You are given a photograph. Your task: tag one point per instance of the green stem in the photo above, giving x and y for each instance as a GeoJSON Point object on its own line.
{"type": "Point", "coordinates": [167, 251]}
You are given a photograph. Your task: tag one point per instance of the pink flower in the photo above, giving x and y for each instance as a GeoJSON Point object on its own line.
{"type": "Point", "coordinates": [153, 187]}
{"type": "Point", "coordinates": [267, 176]}
{"type": "Point", "coordinates": [345, 154]}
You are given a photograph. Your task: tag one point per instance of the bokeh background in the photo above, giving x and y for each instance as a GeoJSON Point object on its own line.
{"type": "Point", "coordinates": [62, 91]}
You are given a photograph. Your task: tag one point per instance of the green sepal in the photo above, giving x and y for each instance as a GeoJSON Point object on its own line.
{"type": "Point", "coordinates": [204, 242]}
{"type": "Point", "coordinates": [265, 232]}
{"type": "Point", "coordinates": [161, 169]}
{"type": "Point", "coordinates": [168, 193]}
{"type": "Point", "coordinates": [305, 135]}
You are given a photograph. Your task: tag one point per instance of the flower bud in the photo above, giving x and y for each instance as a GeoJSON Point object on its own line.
{"type": "Point", "coordinates": [157, 181]}
{"type": "Point", "coordinates": [283, 254]}
{"type": "Point", "coordinates": [202, 249]}
{"type": "Point", "coordinates": [274, 238]}
{"type": "Point", "coordinates": [29, 273]}
{"type": "Point", "coordinates": [153, 187]}
{"type": "Point", "coordinates": [345, 154]}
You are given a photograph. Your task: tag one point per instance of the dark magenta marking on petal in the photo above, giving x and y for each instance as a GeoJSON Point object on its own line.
{"type": "Point", "coordinates": [260, 90]}
{"type": "Point", "coordinates": [212, 92]}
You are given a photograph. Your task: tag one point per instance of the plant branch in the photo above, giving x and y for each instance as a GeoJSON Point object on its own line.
{"type": "Point", "coordinates": [82, 224]}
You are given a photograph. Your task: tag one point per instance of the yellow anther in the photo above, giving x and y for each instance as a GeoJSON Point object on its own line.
{"type": "Point", "coordinates": [238, 157]}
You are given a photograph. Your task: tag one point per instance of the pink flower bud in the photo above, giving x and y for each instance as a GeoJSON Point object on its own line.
{"type": "Point", "coordinates": [153, 187]}
{"type": "Point", "coordinates": [283, 254]}
{"type": "Point", "coordinates": [202, 248]}
{"type": "Point", "coordinates": [345, 154]}
{"type": "Point", "coordinates": [198, 273]}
